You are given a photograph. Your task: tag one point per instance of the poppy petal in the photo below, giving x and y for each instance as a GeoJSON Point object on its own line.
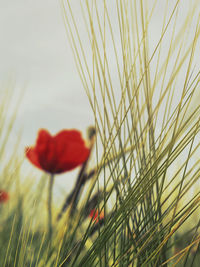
{"type": "Point", "coordinates": [70, 149]}
{"type": "Point", "coordinates": [69, 136]}
{"type": "Point", "coordinates": [31, 154]}
{"type": "Point", "coordinates": [4, 196]}
{"type": "Point", "coordinates": [46, 151]}
{"type": "Point", "coordinates": [96, 216]}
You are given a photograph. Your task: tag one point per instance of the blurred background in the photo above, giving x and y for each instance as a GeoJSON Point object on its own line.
{"type": "Point", "coordinates": [35, 54]}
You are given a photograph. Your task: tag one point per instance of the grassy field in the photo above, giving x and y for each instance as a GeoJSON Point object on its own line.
{"type": "Point", "coordinates": [136, 198]}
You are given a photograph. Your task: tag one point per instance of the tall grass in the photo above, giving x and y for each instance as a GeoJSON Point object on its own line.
{"type": "Point", "coordinates": [143, 89]}
{"type": "Point", "coordinates": [142, 92]}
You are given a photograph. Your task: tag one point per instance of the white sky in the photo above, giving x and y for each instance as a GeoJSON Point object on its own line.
{"type": "Point", "coordinates": [34, 48]}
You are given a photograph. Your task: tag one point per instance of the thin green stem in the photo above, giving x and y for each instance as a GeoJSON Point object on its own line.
{"type": "Point", "coordinates": [50, 206]}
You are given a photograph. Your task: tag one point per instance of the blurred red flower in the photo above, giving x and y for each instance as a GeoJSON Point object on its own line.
{"type": "Point", "coordinates": [4, 196]}
{"type": "Point", "coordinates": [60, 153]}
{"type": "Point", "coordinates": [96, 216]}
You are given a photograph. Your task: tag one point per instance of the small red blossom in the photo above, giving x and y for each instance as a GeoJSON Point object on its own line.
{"type": "Point", "coordinates": [4, 196]}
{"type": "Point", "coordinates": [96, 216]}
{"type": "Point", "coordinates": [60, 153]}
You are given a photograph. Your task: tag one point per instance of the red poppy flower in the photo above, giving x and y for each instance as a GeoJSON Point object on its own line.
{"type": "Point", "coordinates": [60, 153]}
{"type": "Point", "coordinates": [96, 216]}
{"type": "Point", "coordinates": [4, 196]}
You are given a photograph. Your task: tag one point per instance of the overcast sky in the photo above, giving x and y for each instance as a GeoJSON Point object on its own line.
{"type": "Point", "coordinates": [35, 50]}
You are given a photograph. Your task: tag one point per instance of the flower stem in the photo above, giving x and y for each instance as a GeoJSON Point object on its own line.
{"type": "Point", "coordinates": [50, 206]}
